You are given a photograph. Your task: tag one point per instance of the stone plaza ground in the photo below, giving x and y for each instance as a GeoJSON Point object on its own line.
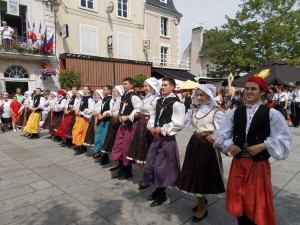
{"type": "Point", "coordinates": [43, 183]}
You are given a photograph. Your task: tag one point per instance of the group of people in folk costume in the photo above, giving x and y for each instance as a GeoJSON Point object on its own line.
{"type": "Point", "coordinates": [116, 121]}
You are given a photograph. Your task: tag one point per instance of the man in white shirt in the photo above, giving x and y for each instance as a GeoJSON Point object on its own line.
{"type": "Point", "coordinates": [6, 33]}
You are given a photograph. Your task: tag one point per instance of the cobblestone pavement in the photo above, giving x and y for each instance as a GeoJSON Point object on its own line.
{"type": "Point", "coordinates": [42, 183]}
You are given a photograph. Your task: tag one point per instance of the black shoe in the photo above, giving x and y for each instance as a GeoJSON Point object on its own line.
{"type": "Point", "coordinates": [160, 198]}
{"type": "Point", "coordinates": [63, 144]}
{"type": "Point", "coordinates": [34, 136]}
{"type": "Point", "coordinates": [113, 168]}
{"type": "Point", "coordinates": [104, 159]}
{"type": "Point", "coordinates": [127, 174]}
{"type": "Point", "coordinates": [196, 207]}
{"type": "Point", "coordinates": [153, 195]}
{"type": "Point", "coordinates": [76, 148]}
{"type": "Point", "coordinates": [119, 172]}
{"type": "Point", "coordinates": [196, 219]}
{"type": "Point", "coordinates": [57, 139]}
{"type": "Point", "coordinates": [81, 150]}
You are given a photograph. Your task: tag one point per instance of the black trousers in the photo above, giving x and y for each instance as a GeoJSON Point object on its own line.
{"type": "Point", "coordinates": [295, 113]}
{"type": "Point", "coordinates": [244, 220]}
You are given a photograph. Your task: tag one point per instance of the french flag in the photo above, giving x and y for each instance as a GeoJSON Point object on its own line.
{"type": "Point", "coordinates": [40, 35]}
{"type": "Point", "coordinates": [28, 32]}
{"type": "Point", "coordinates": [50, 43]}
{"type": "Point", "coordinates": [33, 35]}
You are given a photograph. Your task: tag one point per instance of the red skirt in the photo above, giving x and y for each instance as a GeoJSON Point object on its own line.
{"type": "Point", "coordinates": [64, 126]}
{"type": "Point", "coordinates": [249, 191]}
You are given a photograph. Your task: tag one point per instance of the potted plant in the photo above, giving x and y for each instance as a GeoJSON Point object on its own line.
{"type": "Point", "coordinates": [70, 78]}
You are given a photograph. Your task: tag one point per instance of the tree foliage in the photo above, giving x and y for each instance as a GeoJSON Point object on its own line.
{"type": "Point", "coordinates": [139, 79]}
{"type": "Point", "coordinates": [261, 30]}
{"type": "Point", "coordinates": [70, 78]}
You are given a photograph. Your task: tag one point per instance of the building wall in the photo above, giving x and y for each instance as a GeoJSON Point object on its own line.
{"type": "Point", "coordinates": [172, 41]}
{"type": "Point", "coordinates": [37, 13]}
{"type": "Point", "coordinates": [105, 23]}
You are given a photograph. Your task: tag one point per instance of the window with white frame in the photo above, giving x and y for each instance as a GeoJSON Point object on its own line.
{"type": "Point", "coordinates": [123, 8]}
{"type": "Point", "coordinates": [88, 40]}
{"type": "Point", "coordinates": [124, 45]}
{"type": "Point", "coordinates": [164, 55]}
{"type": "Point", "coordinates": [88, 4]}
{"type": "Point", "coordinates": [164, 1]}
{"type": "Point", "coordinates": [164, 26]}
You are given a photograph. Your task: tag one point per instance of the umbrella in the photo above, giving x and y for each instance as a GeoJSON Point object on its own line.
{"type": "Point", "coordinates": [275, 72]}
{"type": "Point", "coordinates": [187, 85]}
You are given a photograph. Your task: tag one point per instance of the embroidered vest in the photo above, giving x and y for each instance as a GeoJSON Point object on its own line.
{"type": "Point", "coordinates": [165, 116]}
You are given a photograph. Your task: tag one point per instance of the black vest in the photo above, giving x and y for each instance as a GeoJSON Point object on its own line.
{"type": "Point", "coordinates": [126, 99]}
{"type": "Point", "coordinates": [36, 102]}
{"type": "Point", "coordinates": [84, 103]}
{"type": "Point", "coordinates": [106, 104]}
{"type": "Point", "coordinates": [258, 132]}
{"type": "Point", "coordinates": [72, 101]}
{"type": "Point", "coordinates": [166, 115]}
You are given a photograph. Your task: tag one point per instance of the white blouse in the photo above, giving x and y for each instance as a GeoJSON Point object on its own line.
{"type": "Point", "coordinates": [200, 112]}
{"type": "Point", "coordinates": [278, 144]}
{"type": "Point", "coordinates": [88, 112]}
{"type": "Point", "coordinates": [97, 107]}
{"type": "Point", "coordinates": [114, 106]}
{"type": "Point", "coordinates": [177, 119]}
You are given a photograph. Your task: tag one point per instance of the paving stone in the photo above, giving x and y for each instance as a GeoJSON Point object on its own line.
{"type": "Point", "coordinates": [286, 167]}
{"type": "Point", "coordinates": [40, 185]}
{"type": "Point", "coordinates": [90, 171]}
{"type": "Point", "coordinates": [64, 214]}
{"type": "Point", "coordinates": [19, 181]}
{"type": "Point", "coordinates": [15, 174]}
{"type": "Point", "coordinates": [28, 199]}
{"type": "Point", "coordinates": [37, 162]}
{"type": "Point", "coordinates": [120, 188]}
{"type": "Point", "coordinates": [136, 215]}
{"type": "Point", "coordinates": [287, 210]}
{"type": "Point", "coordinates": [101, 201]}
{"type": "Point", "coordinates": [292, 189]}
{"type": "Point", "coordinates": [18, 214]}
{"type": "Point", "coordinates": [12, 169]}
{"type": "Point", "coordinates": [13, 192]}
{"type": "Point", "coordinates": [9, 163]}
{"type": "Point", "coordinates": [279, 180]}
{"type": "Point", "coordinates": [94, 219]}
{"type": "Point", "coordinates": [5, 158]}
{"type": "Point", "coordinates": [71, 183]}
{"type": "Point", "coordinates": [100, 178]}
{"type": "Point", "coordinates": [54, 202]}
{"type": "Point", "coordinates": [79, 166]}
{"type": "Point", "coordinates": [25, 156]}
{"type": "Point", "coordinates": [178, 211]}
{"type": "Point", "coordinates": [51, 171]}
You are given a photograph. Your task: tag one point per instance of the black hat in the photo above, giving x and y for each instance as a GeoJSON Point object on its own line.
{"type": "Point", "coordinates": [297, 82]}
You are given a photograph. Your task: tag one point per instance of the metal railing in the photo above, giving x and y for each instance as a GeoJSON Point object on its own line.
{"type": "Point", "coordinates": [20, 44]}
{"type": "Point", "coordinates": [168, 61]}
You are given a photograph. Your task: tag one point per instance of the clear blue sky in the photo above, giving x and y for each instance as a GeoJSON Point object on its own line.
{"type": "Point", "coordinates": [206, 13]}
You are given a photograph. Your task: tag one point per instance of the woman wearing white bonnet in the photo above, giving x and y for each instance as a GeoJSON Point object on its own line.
{"type": "Point", "coordinates": [143, 138]}
{"type": "Point", "coordinates": [93, 124]}
{"type": "Point", "coordinates": [202, 171]}
{"type": "Point", "coordinates": [25, 110]}
{"type": "Point", "coordinates": [114, 122]}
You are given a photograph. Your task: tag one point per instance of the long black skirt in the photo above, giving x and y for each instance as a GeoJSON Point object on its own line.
{"type": "Point", "coordinates": [139, 146]}
{"type": "Point", "coordinates": [47, 122]}
{"type": "Point", "coordinates": [90, 134]}
{"type": "Point", "coordinates": [24, 118]}
{"type": "Point", "coordinates": [111, 134]}
{"type": "Point", "coordinates": [202, 168]}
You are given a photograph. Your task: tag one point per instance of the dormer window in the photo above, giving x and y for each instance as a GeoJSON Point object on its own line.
{"type": "Point", "coordinates": [87, 4]}
{"type": "Point", "coordinates": [164, 1]}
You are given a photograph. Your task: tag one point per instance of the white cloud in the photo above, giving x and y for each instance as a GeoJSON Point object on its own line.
{"type": "Point", "coordinates": [205, 13]}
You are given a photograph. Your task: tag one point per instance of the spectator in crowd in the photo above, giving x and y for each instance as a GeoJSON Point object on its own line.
{"type": "Point", "coordinates": [19, 95]}
{"type": "Point", "coordinates": [6, 116]}
{"type": "Point", "coordinates": [6, 33]}
{"type": "Point", "coordinates": [15, 106]}
{"type": "Point", "coordinates": [1, 112]}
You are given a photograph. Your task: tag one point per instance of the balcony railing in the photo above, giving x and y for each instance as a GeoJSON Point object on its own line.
{"type": "Point", "coordinates": [168, 61]}
{"type": "Point", "coordinates": [22, 45]}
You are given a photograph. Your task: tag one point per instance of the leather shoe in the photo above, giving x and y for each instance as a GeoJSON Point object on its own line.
{"type": "Point", "coordinates": [34, 136]}
{"type": "Point", "coordinates": [196, 219]}
{"type": "Point", "coordinates": [152, 196]}
{"type": "Point", "coordinates": [196, 207]}
{"type": "Point", "coordinates": [104, 159]}
{"type": "Point", "coordinates": [160, 198]}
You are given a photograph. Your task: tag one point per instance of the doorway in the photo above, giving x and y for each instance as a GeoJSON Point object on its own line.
{"type": "Point", "coordinates": [11, 86]}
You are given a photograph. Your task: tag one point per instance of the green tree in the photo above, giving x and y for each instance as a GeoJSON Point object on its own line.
{"type": "Point", "coordinates": [139, 79]}
{"type": "Point", "coordinates": [70, 78]}
{"type": "Point", "coordinates": [261, 30]}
